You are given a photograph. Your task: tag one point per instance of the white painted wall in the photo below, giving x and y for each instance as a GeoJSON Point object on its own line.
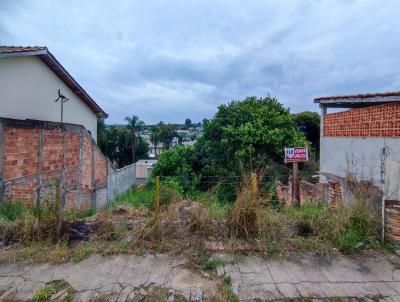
{"type": "Point", "coordinates": [363, 158]}
{"type": "Point", "coordinates": [28, 89]}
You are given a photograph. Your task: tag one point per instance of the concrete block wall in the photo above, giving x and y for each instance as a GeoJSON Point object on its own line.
{"type": "Point", "coordinates": [34, 154]}
{"type": "Point", "coordinates": [374, 121]}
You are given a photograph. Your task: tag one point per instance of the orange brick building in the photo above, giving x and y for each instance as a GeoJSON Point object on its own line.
{"type": "Point", "coordinates": [37, 149]}
{"type": "Point", "coordinates": [360, 141]}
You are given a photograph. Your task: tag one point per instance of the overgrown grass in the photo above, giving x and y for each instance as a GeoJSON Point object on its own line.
{"type": "Point", "coordinates": [216, 210]}
{"type": "Point", "coordinates": [11, 211]}
{"type": "Point", "coordinates": [53, 287]}
{"type": "Point", "coordinates": [189, 227]}
{"type": "Point", "coordinates": [143, 197]}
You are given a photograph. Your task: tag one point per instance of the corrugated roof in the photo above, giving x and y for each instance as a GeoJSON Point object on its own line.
{"type": "Point", "coordinates": [46, 56]}
{"type": "Point", "coordinates": [359, 100]}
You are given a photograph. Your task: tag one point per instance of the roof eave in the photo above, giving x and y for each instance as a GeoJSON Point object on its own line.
{"type": "Point", "coordinates": [64, 75]}
{"type": "Point", "coordinates": [46, 56]}
{"type": "Point", "coordinates": [355, 101]}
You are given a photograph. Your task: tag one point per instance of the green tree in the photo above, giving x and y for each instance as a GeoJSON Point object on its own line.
{"type": "Point", "coordinates": [248, 134]}
{"type": "Point", "coordinates": [309, 123]}
{"type": "Point", "coordinates": [101, 134]}
{"type": "Point", "coordinates": [142, 149]}
{"type": "Point", "coordinates": [134, 126]}
{"type": "Point", "coordinates": [180, 164]}
{"type": "Point", "coordinates": [166, 133]}
{"type": "Point", "coordinates": [188, 123]}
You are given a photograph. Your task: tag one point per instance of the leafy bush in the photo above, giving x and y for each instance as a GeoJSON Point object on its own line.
{"type": "Point", "coordinates": [180, 164]}
{"type": "Point", "coordinates": [170, 190]}
{"type": "Point", "coordinates": [207, 262]}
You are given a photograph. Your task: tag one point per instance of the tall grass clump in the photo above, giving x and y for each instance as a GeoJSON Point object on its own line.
{"type": "Point", "coordinates": [346, 228]}
{"type": "Point", "coordinates": [311, 226]}
{"type": "Point", "coordinates": [243, 216]}
{"type": "Point", "coordinates": [26, 223]}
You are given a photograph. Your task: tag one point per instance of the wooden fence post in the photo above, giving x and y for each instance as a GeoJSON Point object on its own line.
{"type": "Point", "coordinates": [254, 187]}
{"type": "Point", "coordinates": [157, 199]}
{"type": "Point", "coordinates": [296, 185]}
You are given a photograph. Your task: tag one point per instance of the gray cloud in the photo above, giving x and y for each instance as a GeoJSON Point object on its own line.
{"type": "Point", "coordinates": [168, 60]}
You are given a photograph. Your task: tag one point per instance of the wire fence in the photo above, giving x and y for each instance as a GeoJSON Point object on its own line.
{"type": "Point", "coordinates": [223, 189]}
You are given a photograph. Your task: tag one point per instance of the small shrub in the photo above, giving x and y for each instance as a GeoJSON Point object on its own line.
{"type": "Point", "coordinates": [227, 193]}
{"type": "Point", "coordinates": [228, 280]}
{"type": "Point", "coordinates": [207, 262]}
{"type": "Point", "coordinates": [43, 294]}
{"type": "Point", "coordinates": [169, 192]}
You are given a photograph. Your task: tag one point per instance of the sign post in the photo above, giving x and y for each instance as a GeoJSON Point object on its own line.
{"type": "Point", "coordinates": [295, 156]}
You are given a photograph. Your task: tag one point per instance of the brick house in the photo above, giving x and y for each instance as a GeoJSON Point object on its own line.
{"type": "Point", "coordinates": [29, 81]}
{"type": "Point", "coordinates": [363, 142]}
{"type": "Point", "coordinates": [37, 151]}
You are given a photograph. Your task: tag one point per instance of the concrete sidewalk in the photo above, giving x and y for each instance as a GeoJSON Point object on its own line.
{"type": "Point", "coordinates": [127, 277]}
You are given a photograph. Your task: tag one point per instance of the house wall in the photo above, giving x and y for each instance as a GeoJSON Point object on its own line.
{"type": "Point", "coordinates": [35, 154]}
{"type": "Point", "coordinates": [28, 89]}
{"type": "Point", "coordinates": [366, 143]}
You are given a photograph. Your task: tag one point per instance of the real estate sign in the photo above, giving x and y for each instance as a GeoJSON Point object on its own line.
{"type": "Point", "coordinates": [296, 155]}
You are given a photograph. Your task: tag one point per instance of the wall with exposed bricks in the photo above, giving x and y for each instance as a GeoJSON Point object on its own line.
{"type": "Point", "coordinates": [392, 220]}
{"type": "Point", "coordinates": [364, 142]}
{"type": "Point", "coordinates": [374, 121]}
{"type": "Point", "coordinates": [34, 154]}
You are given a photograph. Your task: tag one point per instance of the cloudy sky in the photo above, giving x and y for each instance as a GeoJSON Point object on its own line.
{"type": "Point", "coordinates": [169, 60]}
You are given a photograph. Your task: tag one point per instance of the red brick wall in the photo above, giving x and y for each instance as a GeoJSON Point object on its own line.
{"type": "Point", "coordinates": [374, 121]}
{"type": "Point", "coordinates": [392, 220]}
{"type": "Point", "coordinates": [20, 152]}
{"type": "Point", "coordinates": [36, 154]}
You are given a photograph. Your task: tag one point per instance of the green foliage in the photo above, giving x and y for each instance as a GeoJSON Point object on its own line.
{"type": "Point", "coordinates": [207, 262]}
{"type": "Point", "coordinates": [179, 163]}
{"type": "Point", "coordinates": [170, 191]}
{"type": "Point", "coordinates": [116, 142]}
{"type": "Point", "coordinates": [227, 192]}
{"type": "Point", "coordinates": [81, 253]}
{"type": "Point", "coordinates": [10, 211]}
{"type": "Point", "coordinates": [188, 123]}
{"type": "Point", "coordinates": [43, 294]}
{"type": "Point", "coordinates": [228, 280]}
{"type": "Point", "coordinates": [249, 134]}
{"type": "Point", "coordinates": [344, 228]}
{"type": "Point", "coordinates": [166, 133]}
{"type": "Point", "coordinates": [137, 198]}
{"type": "Point", "coordinates": [53, 287]}
{"type": "Point", "coordinates": [74, 215]}
{"type": "Point", "coordinates": [309, 123]}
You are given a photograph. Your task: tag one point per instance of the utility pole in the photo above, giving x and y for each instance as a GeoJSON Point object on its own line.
{"type": "Point", "coordinates": [63, 99]}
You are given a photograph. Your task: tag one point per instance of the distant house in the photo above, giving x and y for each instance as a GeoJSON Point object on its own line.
{"type": "Point", "coordinates": [363, 141]}
{"type": "Point", "coordinates": [30, 78]}
{"type": "Point", "coordinates": [144, 168]}
{"type": "Point", "coordinates": [156, 150]}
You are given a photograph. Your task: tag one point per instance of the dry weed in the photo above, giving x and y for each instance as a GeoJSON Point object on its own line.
{"type": "Point", "coordinates": [242, 218]}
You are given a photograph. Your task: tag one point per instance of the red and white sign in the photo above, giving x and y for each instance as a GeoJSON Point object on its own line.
{"type": "Point", "coordinates": [296, 155]}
